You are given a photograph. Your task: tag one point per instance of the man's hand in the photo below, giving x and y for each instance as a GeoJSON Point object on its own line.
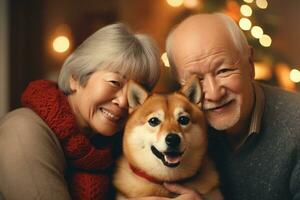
{"type": "Point", "coordinates": [183, 193]}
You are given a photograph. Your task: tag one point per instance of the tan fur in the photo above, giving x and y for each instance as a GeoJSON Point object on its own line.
{"type": "Point", "coordinates": [195, 170]}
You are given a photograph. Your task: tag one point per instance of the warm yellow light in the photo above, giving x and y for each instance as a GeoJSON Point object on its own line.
{"type": "Point", "coordinates": [61, 44]}
{"type": "Point", "coordinates": [257, 32]}
{"type": "Point", "coordinates": [295, 75]}
{"type": "Point", "coordinates": [262, 71]}
{"type": "Point", "coordinates": [245, 24]}
{"type": "Point", "coordinates": [165, 59]}
{"type": "Point", "coordinates": [246, 10]}
{"type": "Point", "coordinates": [191, 3]}
{"type": "Point", "coordinates": [248, 1]}
{"type": "Point", "coordinates": [265, 40]}
{"type": "Point", "coordinates": [175, 3]}
{"type": "Point", "coordinates": [263, 4]}
{"type": "Point", "coordinates": [282, 72]}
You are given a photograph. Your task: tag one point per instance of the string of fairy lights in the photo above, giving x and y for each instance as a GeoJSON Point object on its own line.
{"type": "Point", "coordinates": [245, 22]}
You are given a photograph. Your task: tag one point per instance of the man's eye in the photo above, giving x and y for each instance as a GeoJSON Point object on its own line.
{"type": "Point", "coordinates": [183, 120]}
{"type": "Point", "coordinates": [225, 70]}
{"type": "Point", "coordinates": [153, 121]}
{"type": "Point", "coordinates": [221, 71]}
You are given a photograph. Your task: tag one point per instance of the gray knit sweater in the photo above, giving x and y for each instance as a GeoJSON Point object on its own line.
{"type": "Point", "coordinates": [267, 166]}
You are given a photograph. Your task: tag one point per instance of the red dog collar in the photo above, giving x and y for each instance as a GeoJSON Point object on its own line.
{"type": "Point", "coordinates": [144, 175]}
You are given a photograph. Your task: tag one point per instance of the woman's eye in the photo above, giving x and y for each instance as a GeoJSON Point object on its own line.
{"type": "Point", "coordinates": [115, 83]}
{"type": "Point", "coordinates": [183, 120]}
{"type": "Point", "coordinates": [153, 121]}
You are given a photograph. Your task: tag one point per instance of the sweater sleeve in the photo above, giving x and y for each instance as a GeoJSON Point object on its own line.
{"type": "Point", "coordinates": [32, 162]}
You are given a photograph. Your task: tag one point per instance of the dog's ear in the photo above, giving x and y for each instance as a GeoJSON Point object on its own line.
{"type": "Point", "coordinates": [192, 90]}
{"type": "Point", "coordinates": [136, 95]}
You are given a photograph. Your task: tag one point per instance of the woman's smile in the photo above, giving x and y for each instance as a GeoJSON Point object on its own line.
{"type": "Point", "coordinates": [114, 117]}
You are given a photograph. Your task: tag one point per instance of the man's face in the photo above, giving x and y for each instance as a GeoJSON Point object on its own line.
{"type": "Point", "coordinates": [225, 77]}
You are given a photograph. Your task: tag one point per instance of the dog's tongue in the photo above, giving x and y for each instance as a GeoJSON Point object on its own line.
{"type": "Point", "coordinates": [172, 159]}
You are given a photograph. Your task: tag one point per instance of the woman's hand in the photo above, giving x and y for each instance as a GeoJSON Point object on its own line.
{"type": "Point", "coordinates": [183, 193]}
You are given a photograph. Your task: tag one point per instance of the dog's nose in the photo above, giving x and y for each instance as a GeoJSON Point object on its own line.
{"type": "Point", "coordinates": [172, 140]}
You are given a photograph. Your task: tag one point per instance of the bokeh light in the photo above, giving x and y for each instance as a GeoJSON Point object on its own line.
{"type": "Point", "coordinates": [262, 71]}
{"type": "Point", "coordinates": [245, 24]}
{"type": "Point", "coordinates": [191, 4]}
{"type": "Point", "coordinates": [175, 3]}
{"type": "Point", "coordinates": [246, 10]}
{"type": "Point", "coordinates": [61, 44]}
{"type": "Point", "coordinates": [295, 75]}
{"type": "Point", "coordinates": [265, 40]}
{"type": "Point", "coordinates": [165, 59]}
{"type": "Point", "coordinates": [257, 32]}
{"type": "Point", "coordinates": [263, 4]}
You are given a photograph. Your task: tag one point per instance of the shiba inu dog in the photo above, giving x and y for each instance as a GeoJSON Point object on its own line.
{"type": "Point", "coordinates": [165, 140]}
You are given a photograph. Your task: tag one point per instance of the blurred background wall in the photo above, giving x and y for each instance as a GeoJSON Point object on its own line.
{"type": "Point", "coordinates": [4, 87]}
{"type": "Point", "coordinates": [36, 36]}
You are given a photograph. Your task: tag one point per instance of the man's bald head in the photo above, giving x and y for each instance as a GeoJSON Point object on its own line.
{"type": "Point", "coordinates": [206, 29]}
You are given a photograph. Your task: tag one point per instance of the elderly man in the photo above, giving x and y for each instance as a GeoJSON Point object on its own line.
{"type": "Point", "coordinates": [254, 128]}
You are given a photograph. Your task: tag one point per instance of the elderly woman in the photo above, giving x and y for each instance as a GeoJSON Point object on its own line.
{"type": "Point", "coordinates": [60, 145]}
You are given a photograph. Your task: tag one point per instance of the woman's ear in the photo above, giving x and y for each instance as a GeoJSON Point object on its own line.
{"type": "Point", "coordinates": [73, 84]}
{"type": "Point", "coordinates": [192, 90]}
{"type": "Point", "coordinates": [136, 95]}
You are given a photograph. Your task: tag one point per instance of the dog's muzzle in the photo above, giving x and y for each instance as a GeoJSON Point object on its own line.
{"type": "Point", "coordinates": [172, 156]}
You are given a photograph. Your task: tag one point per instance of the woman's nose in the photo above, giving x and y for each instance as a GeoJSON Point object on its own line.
{"type": "Point", "coordinates": [213, 89]}
{"type": "Point", "coordinates": [121, 98]}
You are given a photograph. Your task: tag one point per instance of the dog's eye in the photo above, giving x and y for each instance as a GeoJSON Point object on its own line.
{"type": "Point", "coordinates": [183, 120]}
{"type": "Point", "coordinates": [154, 121]}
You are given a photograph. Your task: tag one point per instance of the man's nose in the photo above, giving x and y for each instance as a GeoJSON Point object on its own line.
{"type": "Point", "coordinates": [121, 98]}
{"type": "Point", "coordinates": [213, 89]}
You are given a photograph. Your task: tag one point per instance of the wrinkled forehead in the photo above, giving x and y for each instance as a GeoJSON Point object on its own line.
{"type": "Point", "coordinates": [207, 47]}
{"type": "Point", "coordinates": [205, 28]}
{"type": "Point", "coordinates": [202, 43]}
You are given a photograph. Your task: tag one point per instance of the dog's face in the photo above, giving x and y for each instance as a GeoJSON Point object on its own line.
{"type": "Point", "coordinates": [165, 136]}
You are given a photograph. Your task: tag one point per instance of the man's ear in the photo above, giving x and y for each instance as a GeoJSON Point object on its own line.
{"type": "Point", "coordinates": [136, 95]}
{"type": "Point", "coordinates": [251, 62]}
{"type": "Point", "coordinates": [192, 90]}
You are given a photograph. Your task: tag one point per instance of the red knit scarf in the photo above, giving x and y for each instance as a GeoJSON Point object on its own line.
{"type": "Point", "coordinates": [87, 161]}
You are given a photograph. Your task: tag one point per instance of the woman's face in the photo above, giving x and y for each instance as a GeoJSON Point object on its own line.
{"type": "Point", "coordinates": [102, 103]}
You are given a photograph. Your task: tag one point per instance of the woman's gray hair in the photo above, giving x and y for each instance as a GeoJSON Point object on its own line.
{"type": "Point", "coordinates": [235, 32]}
{"type": "Point", "coordinates": [116, 49]}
